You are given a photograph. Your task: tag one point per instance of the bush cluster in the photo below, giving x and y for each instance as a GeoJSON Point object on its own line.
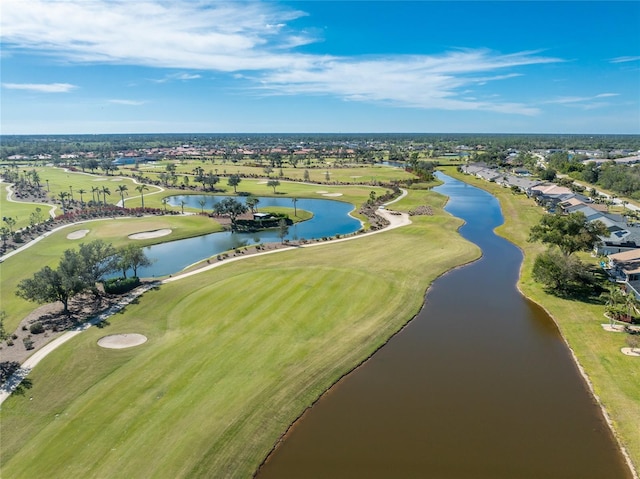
{"type": "Point", "coordinates": [121, 285]}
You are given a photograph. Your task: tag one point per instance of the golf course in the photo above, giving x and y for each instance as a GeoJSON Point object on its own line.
{"type": "Point", "coordinates": [234, 355]}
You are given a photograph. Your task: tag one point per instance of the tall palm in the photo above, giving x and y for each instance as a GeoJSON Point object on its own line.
{"type": "Point", "coordinates": [615, 297]}
{"type": "Point", "coordinates": [81, 192]}
{"type": "Point", "coordinates": [105, 192]}
{"type": "Point", "coordinates": [202, 203]}
{"type": "Point", "coordinates": [63, 196]}
{"type": "Point", "coordinates": [295, 210]}
{"type": "Point", "coordinates": [122, 189]}
{"type": "Point", "coordinates": [140, 189]}
{"type": "Point", "coordinates": [631, 303]}
{"type": "Point", "coordinates": [94, 190]}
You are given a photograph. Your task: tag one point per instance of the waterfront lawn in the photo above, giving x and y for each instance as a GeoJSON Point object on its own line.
{"type": "Point", "coordinates": [615, 377]}
{"type": "Point", "coordinates": [48, 251]}
{"type": "Point", "coordinates": [234, 356]}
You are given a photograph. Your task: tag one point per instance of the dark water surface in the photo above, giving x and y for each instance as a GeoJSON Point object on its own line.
{"type": "Point", "coordinates": [478, 385]}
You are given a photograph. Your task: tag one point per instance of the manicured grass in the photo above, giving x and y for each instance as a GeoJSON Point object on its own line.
{"type": "Point", "coordinates": [317, 172]}
{"type": "Point", "coordinates": [234, 355]}
{"type": "Point", "coordinates": [614, 376]}
{"type": "Point", "coordinates": [116, 231]}
{"type": "Point", "coordinates": [20, 211]}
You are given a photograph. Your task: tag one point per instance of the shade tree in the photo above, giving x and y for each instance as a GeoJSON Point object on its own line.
{"type": "Point", "coordinates": [570, 233]}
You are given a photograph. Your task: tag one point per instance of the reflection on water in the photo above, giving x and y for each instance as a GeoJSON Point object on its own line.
{"type": "Point", "coordinates": [478, 385]}
{"type": "Point", "coordinates": [330, 218]}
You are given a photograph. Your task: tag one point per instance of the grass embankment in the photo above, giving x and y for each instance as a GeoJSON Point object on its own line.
{"type": "Point", "coordinates": [116, 231]}
{"type": "Point", "coordinates": [234, 356]}
{"type": "Point", "coordinates": [615, 377]}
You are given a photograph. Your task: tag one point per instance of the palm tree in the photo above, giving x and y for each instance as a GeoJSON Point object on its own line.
{"type": "Point", "coordinates": [140, 189]}
{"type": "Point", "coordinates": [295, 210]}
{"type": "Point", "coordinates": [63, 196]}
{"type": "Point", "coordinates": [202, 202]}
{"type": "Point", "coordinates": [81, 191]}
{"type": "Point", "coordinates": [105, 192]}
{"type": "Point", "coordinates": [122, 189]}
{"type": "Point", "coordinates": [631, 303]}
{"type": "Point", "coordinates": [615, 297]}
{"type": "Point", "coordinates": [94, 190]}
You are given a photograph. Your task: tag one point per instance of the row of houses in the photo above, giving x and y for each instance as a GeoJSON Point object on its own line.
{"type": "Point", "coordinates": [621, 246]}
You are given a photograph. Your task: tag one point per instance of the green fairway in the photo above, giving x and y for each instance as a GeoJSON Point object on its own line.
{"type": "Point", "coordinates": [234, 355]}
{"type": "Point", "coordinates": [116, 231]}
{"type": "Point", "coordinates": [614, 376]}
{"type": "Point", "coordinates": [20, 211]}
{"type": "Point", "coordinates": [317, 171]}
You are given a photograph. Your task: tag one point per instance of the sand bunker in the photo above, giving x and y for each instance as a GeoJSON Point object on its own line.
{"type": "Point", "coordinates": [117, 179]}
{"type": "Point", "coordinates": [100, 179]}
{"type": "Point", "coordinates": [77, 234]}
{"type": "Point", "coordinates": [331, 194]}
{"type": "Point", "coordinates": [630, 352]}
{"type": "Point", "coordinates": [322, 192]}
{"type": "Point", "coordinates": [261, 182]}
{"type": "Point", "coordinates": [121, 341]}
{"type": "Point", "coordinates": [150, 234]}
{"type": "Point", "coordinates": [615, 328]}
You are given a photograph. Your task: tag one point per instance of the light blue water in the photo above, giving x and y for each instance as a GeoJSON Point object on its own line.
{"type": "Point", "coordinates": [330, 218]}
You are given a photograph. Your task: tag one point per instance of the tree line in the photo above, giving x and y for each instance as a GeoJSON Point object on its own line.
{"type": "Point", "coordinates": [81, 271]}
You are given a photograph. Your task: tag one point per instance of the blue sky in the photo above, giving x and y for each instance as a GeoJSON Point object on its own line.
{"type": "Point", "coordinates": [144, 66]}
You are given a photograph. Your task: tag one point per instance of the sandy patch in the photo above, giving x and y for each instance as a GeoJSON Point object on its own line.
{"type": "Point", "coordinates": [100, 179]}
{"type": "Point", "coordinates": [261, 182]}
{"type": "Point", "coordinates": [150, 234]}
{"type": "Point", "coordinates": [322, 192]}
{"type": "Point", "coordinates": [121, 341]}
{"type": "Point", "coordinates": [77, 234]}
{"type": "Point", "coordinates": [630, 352]}
{"type": "Point", "coordinates": [356, 176]}
{"type": "Point", "coordinates": [616, 328]}
{"type": "Point", "coordinates": [331, 194]}
{"type": "Point", "coordinates": [117, 179]}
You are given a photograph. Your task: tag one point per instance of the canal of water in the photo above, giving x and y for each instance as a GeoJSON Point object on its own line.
{"type": "Point", "coordinates": [479, 385]}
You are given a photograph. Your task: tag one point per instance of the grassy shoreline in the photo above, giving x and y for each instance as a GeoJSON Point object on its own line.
{"type": "Point", "coordinates": [613, 378]}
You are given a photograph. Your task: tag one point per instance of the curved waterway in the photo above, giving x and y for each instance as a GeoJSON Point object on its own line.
{"type": "Point", "coordinates": [479, 385]}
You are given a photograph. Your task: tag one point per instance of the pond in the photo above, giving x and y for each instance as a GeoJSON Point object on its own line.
{"type": "Point", "coordinates": [330, 218]}
{"type": "Point", "coordinates": [479, 385]}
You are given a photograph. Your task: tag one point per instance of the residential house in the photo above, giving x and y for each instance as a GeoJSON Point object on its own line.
{"type": "Point", "coordinates": [625, 268]}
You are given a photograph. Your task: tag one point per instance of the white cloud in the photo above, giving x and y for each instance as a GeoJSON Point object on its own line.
{"type": "Point", "coordinates": [178, 76]}
{"type": "Point", "coordinates": [127, 102]}
{"type": "Point", "coordinates": [41, 87]}
{"type": "Point", "coordinates": [584, 102]}
{"type": "Point", "coordinates": [625, 59]}
{"type": "Point", "coordinates": [253, 41]}
{"type": "Point", "coordinates": [580, 99]}
{"type": "Point", "coordinates": [411, 81]}
{"type": "Point", "coordinates": [187, 34]}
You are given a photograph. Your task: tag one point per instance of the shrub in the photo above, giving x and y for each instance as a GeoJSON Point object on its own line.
{"type": "Point", "coordinates": [36, 328]}
{"type": "Point", "coordinates": [121, 285]}
{"type": "Point", "coordinates": [28, 343]}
